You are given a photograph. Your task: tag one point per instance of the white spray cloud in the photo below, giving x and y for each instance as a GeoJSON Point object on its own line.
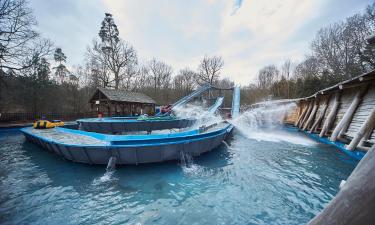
{"type": "Point", "coordinates": [263, 124]}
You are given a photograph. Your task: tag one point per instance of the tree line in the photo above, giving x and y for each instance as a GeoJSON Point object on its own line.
{"type": "Point", "coordinates": [35, 76]}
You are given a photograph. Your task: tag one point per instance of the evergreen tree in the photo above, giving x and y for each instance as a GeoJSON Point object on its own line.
{"type": "Point", "coordinates": [116, 57]}
{"type": "Point", "coordinates": [61, 70]}
{"type": "Point", "coordinates": [109, 33]}
{"type": "Point", "coordinates": [43, 70]}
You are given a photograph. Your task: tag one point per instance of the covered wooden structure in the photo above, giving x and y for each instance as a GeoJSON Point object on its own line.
{"type": "Point", "coordinates": [113, 102]}
{"type": "Point", "coordinates": [344, 112]}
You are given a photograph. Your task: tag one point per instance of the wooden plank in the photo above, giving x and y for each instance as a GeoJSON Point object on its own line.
{"type": "Point", "coordinates": [320, 117]}
{"type": "Point", "coordinates": [307, 114]}
{"type": "Point", "coordinates": [304, 110]}
{"type": "Point", "coordinates": [312, 114]}
{"type": "Point", "coordinates": [366, 127]}
{"type": "Point", "coordinates": [331, 116]}
{"type": "Point", "coordinates": [344, 122]}
{"type": "Point", "coordinates": [363, 111]}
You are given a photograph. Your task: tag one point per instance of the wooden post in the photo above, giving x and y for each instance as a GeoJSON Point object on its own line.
{"type": "Point", "coordinates": [366, 128]}
{"type": "Point", "coordinates": [109, 108]}
{"type": "Point", "coordinates": [348, 114]}
{"type": "Point", "coordinates": [301, 113]}
{"type": "Point", "coordinates": [365, 137]}
{"type": "Point", "coordinates": [320, 117]}
{"type": "Point", "coordinates": [307, 114]}
{"type": "Point", "coordinates": [312, 115]}
{"type": "Point", "coordinates": [331, 116]}
{"type": "Point", "coordinates": [355, 202]}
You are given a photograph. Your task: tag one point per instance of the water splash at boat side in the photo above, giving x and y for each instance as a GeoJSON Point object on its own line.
{"type": "Point", "coordinates": [265, 124]}
{"type": "Point", "coordinates": [190, 168]}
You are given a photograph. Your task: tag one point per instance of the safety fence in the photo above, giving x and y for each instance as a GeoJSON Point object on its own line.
{"type": "Point", "coordinates": [27, 116]}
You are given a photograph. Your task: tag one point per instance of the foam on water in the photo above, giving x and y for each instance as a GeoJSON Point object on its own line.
{"type": "Point", "coordinates": [264, 124]}
{"type": "Point", "coordinates": [189, 167]}
{"type": "Point", "coordinates": [107, 177]}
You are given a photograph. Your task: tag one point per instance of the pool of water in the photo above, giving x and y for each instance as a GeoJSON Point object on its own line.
{"type": "Point", "coordinates": [255, 181]}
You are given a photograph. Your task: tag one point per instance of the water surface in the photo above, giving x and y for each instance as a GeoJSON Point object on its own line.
{"type": "Point", "coordinates": [255, 181]}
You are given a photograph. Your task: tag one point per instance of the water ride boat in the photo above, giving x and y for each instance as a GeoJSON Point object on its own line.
{"type": "Point", "coordinates": [99, 147]}
{"type": "Point", "coordinates": [95, 148]}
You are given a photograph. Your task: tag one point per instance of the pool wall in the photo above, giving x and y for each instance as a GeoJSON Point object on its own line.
{"type": "Point", "coordinates": [117, 125]}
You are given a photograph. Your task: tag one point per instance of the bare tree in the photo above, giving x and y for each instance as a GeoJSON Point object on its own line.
{"type": "Point", "coordinates": [142, 79]}
{"type": "Point", "coordinates": [116, 64]}
{"type": "Point", "coordinates": [285, 73]}
{"type": "Point", "coordinates": [160, 73]}
{"type": "Point", "coordinates": [267, 76]}
{"type": "Point", "coordinates": [18, 39]}
{"type": "Point", "coordinates": [185, 80]}
{"type": "Point", "coordinates": [209, 69]}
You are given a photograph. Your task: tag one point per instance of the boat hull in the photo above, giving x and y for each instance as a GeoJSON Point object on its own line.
{"type": "Point", "coordinates": [127, 154]}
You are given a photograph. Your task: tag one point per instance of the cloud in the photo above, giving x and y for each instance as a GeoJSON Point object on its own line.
{"type": "Point", "coordinates": [258, 34]}
{"type": "Point", "coordinates": [248, 34]}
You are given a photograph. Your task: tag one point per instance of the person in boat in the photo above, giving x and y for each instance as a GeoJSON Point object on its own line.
{"type": "Point", "coordinates": [166, 109]}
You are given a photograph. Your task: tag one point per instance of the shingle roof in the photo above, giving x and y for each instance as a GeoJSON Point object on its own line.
{"type": "Point", "coordinates": [126, 96]}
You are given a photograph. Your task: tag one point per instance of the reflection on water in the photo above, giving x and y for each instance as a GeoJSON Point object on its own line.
{"type": "Point", "coordinates": [253, 182]}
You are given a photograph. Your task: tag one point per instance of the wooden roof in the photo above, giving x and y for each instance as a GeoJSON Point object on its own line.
{"type": "Point", "coordinates": [122, 96]}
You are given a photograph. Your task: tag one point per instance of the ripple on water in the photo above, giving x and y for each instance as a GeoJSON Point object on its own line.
{"type": "Point", "coordinates": [253, 182]}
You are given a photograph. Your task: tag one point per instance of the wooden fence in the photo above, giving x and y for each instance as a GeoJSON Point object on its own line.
{"type": "Point", "coordinates": [26, 116]}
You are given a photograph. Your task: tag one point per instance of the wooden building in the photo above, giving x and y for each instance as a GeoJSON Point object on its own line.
{"type": "Point", "coordinates": [113, 102]}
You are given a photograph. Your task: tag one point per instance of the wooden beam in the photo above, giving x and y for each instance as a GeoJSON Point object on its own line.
{"type": "Point", "coordinates": [312, 115]}
{"type": "Point", "coordinates": [301, 112]}
{"type": "Point", "coordinates": [320, 117]}
{"type": "Point", "coordinates": [345, 121]}
{"type": "Point", "coordinates": [364, 139]}
{"type": "Point", "coordinates": [331, 116]}
{"type": "Point", "coordinates": [311, 105]}
{"type": "Point", "coordinates": [366, 128]}
{"type": "Point", "coordinates": [355, 202]}
{"type": "Point", "coordinates": [305, 109]}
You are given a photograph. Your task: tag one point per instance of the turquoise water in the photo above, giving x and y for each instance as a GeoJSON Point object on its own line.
{"type": "Point", "coordinates": [255, 181]}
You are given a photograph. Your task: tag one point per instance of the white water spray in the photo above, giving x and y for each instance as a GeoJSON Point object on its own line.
{"type": "Point", "coordinates": [189, 167]}
{"type": "Point", "coordinates": [110, 170]}
{"type": "Point", "coordinates": [197, 112]}
{"type": "Point", "coordinates": [263, 124]}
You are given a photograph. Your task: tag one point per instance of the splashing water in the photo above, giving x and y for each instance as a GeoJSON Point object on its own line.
{"type": "Point", "coordinates": [107, 177]}
{"type": "Point", "coordinates": [189, 167]}
{"type": "Point", "coordinates": [186, 159]}
{"type": "Point", "coordinates": [264, 124]}
{"type": "Point", "coordinates": [199, 113]}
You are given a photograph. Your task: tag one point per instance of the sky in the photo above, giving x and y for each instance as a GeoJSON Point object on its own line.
{"type": "Point", "coordinates": [247, 34]}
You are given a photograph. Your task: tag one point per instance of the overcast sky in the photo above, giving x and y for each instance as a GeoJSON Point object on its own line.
{"type": "Point", "coordinates": [248, 34]}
